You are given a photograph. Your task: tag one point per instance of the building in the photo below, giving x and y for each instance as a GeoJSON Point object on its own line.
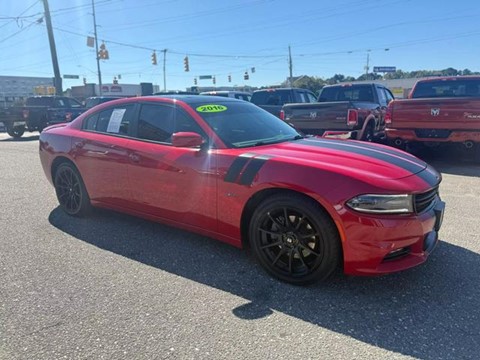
{"type": "Point", "coordinates": [123, 90]}
{"type": "Point", "coordinates": [14, 89]}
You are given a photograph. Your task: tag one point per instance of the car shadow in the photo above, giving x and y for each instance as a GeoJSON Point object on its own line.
{"type": "Point", "coordinates": [430, 312]}
{"type": "Point", "coordinates": [22, 139]}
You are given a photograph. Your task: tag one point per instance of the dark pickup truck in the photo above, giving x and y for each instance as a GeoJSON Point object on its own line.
{"type": "Point", "coordinates": [438, 111]}
{"type": "Point", "coordinates": [272, 100]}
{"type": "Point", "coordinates": [39, 112]}
{"type": "Point", "coordinates": [347, 111]}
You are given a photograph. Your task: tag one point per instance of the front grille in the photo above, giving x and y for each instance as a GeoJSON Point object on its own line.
{"type": "Point", "coordinates": [433, 133]}
{"type": "Point", "coordinates": [424, 200]}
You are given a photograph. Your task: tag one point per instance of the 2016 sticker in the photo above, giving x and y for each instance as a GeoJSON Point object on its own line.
{"type": "Point", "coordinates": [211, 108]}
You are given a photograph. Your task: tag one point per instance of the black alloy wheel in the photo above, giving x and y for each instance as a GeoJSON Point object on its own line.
{"type": "Point", "coordinates": [294, 239]}
{"type": "Point", "coordinates": [16, 131]}
{"type": "Point", "coordinates": [71, 192]}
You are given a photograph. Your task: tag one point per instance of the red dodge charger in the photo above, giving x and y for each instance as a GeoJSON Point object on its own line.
{"type": "Point", "coordinates": [229, 170]}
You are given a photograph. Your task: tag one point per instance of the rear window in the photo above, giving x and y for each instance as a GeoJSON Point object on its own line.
{"type": "Point", "coordinates": [447, 88]}
{"type": "Point", "coordinates": [347, 93]}
{"type": "Point", "coordinates": [272, 97]}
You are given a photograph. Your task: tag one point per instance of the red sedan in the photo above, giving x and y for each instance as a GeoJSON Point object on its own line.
{"type": "Point", "coordinates": [229, 170]}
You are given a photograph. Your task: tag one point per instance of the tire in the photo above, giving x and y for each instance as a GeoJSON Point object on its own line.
{"type": "Point", "coordinates": [294, 239]}
{"type": "Point", "coordinates": [16, 131]}
{"type": "Point", "coordinates": [368, 133]}
{"type": "Point", "coordinates": [71, 192]}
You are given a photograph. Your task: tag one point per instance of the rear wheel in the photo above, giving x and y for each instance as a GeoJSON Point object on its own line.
{"type": "Point", "coordinates": [294, 239]}
{"type": "Point", "coordinates": [71, 192]}
{"type": "Point", "coordinates": [368, 133]}
{"type": "Point", "coordinates": [16, 131]}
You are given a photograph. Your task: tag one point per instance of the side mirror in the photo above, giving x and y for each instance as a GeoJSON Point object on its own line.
{"type": "Point", "coordinates": [186, 139]}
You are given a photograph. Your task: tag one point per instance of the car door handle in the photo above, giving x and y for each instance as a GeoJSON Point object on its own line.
{"type": "Point", "coordinates": [134, 158]}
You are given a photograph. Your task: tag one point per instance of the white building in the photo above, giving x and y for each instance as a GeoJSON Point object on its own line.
{"type": "Point", "coordinates": [17, 88]}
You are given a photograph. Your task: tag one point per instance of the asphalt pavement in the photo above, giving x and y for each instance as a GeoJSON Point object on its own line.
{"type": "Point", "coordinates": [112, 286]}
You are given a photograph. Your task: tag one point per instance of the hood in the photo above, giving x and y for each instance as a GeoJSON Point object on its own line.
{"type": "Point", "coordinates": [351, 158]}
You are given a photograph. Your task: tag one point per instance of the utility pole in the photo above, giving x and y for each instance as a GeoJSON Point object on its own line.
{"type": "Point", "coordinates": [96, 49]}
{"type": "Point", "coordinates": [164, 69]}
{"type": "Point", "coordinates": [367, 67]}
{"type": "Point", "coordinates": [290, 66]}
{"type": "Point", "coordinates": [53, 50]}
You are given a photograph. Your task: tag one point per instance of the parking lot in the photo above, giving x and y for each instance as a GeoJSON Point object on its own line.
{"type": "Point", "coordinates": [117, 287]}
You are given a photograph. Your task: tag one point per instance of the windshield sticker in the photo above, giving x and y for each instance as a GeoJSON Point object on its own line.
{"type": "Point", "coordinates": [211, 108]}
{"type": "Point", "coordinates": [115, 120]}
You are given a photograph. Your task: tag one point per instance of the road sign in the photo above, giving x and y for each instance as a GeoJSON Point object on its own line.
{"type": "Point", "coordinates": [384, 69]}
{"type": "Point", "coordinates": [205, 77]}
{"type": "Point", "coordinates": [71, 77]}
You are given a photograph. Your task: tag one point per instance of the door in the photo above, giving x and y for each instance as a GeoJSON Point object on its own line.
{"type": "Point", "coordinates": [170, 182]}
{"type": "Point", "coordinates": [101, 154]}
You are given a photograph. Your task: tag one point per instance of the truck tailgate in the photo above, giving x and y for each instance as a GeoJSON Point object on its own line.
{"type": "Point", "coordinates": [445, 113]}
{"type": "Point", "coordinates": [315, 116]}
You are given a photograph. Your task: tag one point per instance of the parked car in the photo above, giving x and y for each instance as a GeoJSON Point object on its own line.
{"type": "Point", "coordinates": [233, 94]}
{"type": "Point", "coordinates": [438, 110]}
{"type": "Point", "coordinates": [272, 100]}
{"type": "Point", "coordinates": [95, 100]}
{"type": "Point", "coordinates": [227, 169]}
{"type": "Point", "coordinates": [39, 112]}
{"type": "Point", "coordinates": [348, 111]}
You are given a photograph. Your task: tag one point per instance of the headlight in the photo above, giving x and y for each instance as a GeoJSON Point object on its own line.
{"type": "Point", "coordinates": [382, 204]}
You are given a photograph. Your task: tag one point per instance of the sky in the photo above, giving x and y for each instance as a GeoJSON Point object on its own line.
{"type": "Point", "coordinates": [223, 38]}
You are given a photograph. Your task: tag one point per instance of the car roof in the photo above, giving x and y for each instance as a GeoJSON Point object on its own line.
{"type": "Point", "coordinates": [195, 99]}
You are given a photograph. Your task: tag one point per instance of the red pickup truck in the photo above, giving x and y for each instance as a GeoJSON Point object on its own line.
{"type": "Point", "coordinates": [438, 110]}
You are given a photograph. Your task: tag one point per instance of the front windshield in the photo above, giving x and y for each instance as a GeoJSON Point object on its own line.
{"type": "Point", "coordinates": [241, 124]}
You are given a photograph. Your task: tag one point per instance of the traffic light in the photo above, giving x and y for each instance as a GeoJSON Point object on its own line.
{"type": "Point", "coordinates": [115, 81]}
{"type": "Point", "coordinates": [229, 78]}
{"type": "Point", "coordinates": [252, 70]}
{"type": "Point", "coordinates": [245, 76]}
{"type": "Point", "coordinates": [185, 64]}
{"type": "Point", "coordinates": [103, 52]}
{"type": "Point", "coordinates": [214, 80]}
{"type": "Point", "coordinates": [154, 58]}
{"type": "Point", "coordinates": [195, 81]}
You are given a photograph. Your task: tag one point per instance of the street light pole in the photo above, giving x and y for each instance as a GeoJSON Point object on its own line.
{"type": "Point", "coordinates": [96, 49]}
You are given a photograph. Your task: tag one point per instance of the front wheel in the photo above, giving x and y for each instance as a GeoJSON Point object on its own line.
{"type": "Point", "coordinates": [294, 239]}
{"type": "Point", "coordinates": [71, 192]}
{"type": "Point", "coordinates": [16, 131]}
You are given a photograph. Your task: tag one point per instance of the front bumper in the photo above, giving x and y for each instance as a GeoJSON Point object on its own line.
{"type": "Point", "coordinates": [375, 245]}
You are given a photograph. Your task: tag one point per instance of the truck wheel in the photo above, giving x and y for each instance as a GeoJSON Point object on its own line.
{"type": "Point", "coordinates": [16, 131]}
{"type": "Point", "coordinates": [294, 240]}
{"type": "Point", "coordinates": [368, 133]}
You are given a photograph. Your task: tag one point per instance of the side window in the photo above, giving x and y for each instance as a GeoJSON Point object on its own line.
{"type": "Point", "coordinates": [159, 122]}
{"type": "Point", "coordinates": [60, 103]}
{"type": "Point", "coordinates": [311, 97]}
{"type": "Point", "coordinates": [303, 97]}
{"type": "Point", "coordinates": [114, 120]}
{"type": "Point", "coordinates": [74, 103]}
{"type": "Point", "coordinates": [90, 123]}
{"type": "Point", "coordinates": [382, 98]}
{"type": "Point", "coordinates": [389, 96]}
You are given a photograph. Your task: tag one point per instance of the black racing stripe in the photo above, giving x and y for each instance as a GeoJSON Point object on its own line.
{"type": "Point", "coordinates": [236, 167]}
{"type": "Point", "coordinates": [377, 154]}
{"type": "Point", "coordinates": [407, 156]}
{"type": "Point", "coordinates": [252, 169]}
{"type": "Point", "coordinates": [430, 176]}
